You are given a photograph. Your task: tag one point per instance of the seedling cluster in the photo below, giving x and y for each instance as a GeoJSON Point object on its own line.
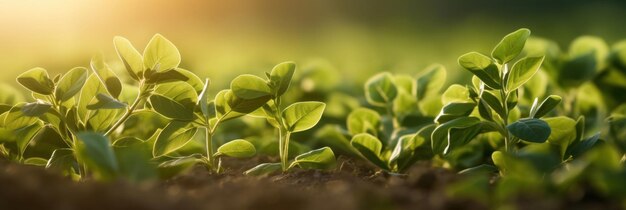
{"type": "Point", "coordinates": [529, 117]}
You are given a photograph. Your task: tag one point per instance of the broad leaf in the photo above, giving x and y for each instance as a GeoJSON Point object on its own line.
{"type": "Point", "coordinates": [106, 76]}
{"type": "Point", "coordinates": [238, 148]}
{"type": "Point", "coordinates": [36, 80]}
{"type": "Point", "coordinates": [280, 77]}
{"type": "Point", "coordinates": [322, 158]}
{"type": "Point", "coordinates": [160, 54]}
{"type": "Point", "coordinates": [37, 108]}
{"type": "Point", "coordinates": [493, 102]}
{"type": "Point", "coordinates": [454, 110]}
{"type": "Point", "coordinates": [442, 137]}
{"type": "Point", "coordinates": [302, 116]}
{"type": "Point", "coordinates": [510, 46]}
{"type": "Point", "coordinates": [380, 89]}
{"type": "Point", "coordinates": [175, 100]}
{"type": "Point", "coordinates": [264, 168]}
{"type": "Point", "coordinates": [174, 136]}
{"type": "Point", "coordinates": [363, 120]}
{"type": "Point", "coordinates": [547, 105]}
{"type": "Point", "coordinates": [132, 59]}
{"type": "Point", "coordinates": [522, 71]}
{"type": "Point", "coordinates": [250, 87]}
{"type": "Point", "coordinates": [71, 83]}
{"type": "Point", "coordinates": [530, 129]}
{"type": "Point", "coordinates": [96, 152]}
{"type": "Point", "coordinates": [482, 67]}
{"type": "Point", "coordinates": [370, 148]}
{"type": "Point", "coordinates": [104, 101]}
{"type": "Point", "coordinates": [175, 166]}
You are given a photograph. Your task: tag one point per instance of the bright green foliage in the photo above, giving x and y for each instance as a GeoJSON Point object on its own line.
{"type": "Point", "coordinates": [510, 46]}
{"type": "Point", "coordinates": [533, 130]}
{"type": "Point", "coordinates": [250, 91]}
{"type": "Point", "coordinates": [380, 89]}
{"type": "Point", "coordinates": [238, 148]}
{"type": "Point", "coordinates": [302, 116]}
{"type": "Point", "coordinates": [37, 80]}
{"type": "Point", "coordinates": [160, 55]}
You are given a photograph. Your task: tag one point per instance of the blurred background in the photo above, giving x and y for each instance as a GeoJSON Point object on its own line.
{"type": "Point", "coordinates": [220, 39]}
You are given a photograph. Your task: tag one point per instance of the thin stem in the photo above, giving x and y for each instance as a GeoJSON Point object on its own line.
{"type": "Point", "coordinates": [284, 158]}
{"type": "Point", "coordinates": [396, 123]}
{"type": "Point", "coordinates": [508, 147]}
{"type": "Point", "coordinates": [129, 111]}
{"type": "Point", "coordinates": [209, 148]}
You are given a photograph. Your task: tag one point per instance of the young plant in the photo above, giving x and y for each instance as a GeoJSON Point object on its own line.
{"type": "Point", "coordinates": [407, 123]}
{"type": "Point", "coordinates": [190, 111]}
{"type": "Point", "coordinates": [498, 80]}
{"type": "Point", "coordinates": [297, 117]}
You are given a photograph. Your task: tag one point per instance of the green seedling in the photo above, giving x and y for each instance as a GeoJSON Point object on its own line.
{"type": "Point", "coordinates": [297, 117]}
{"type": "Point", "coordinates": [408, 107]}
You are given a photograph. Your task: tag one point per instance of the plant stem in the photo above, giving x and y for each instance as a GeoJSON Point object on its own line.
{"type": "Point", "coordinates": [209, 148]}
{"type": "Point", "coordinates": [142, 94]}
{"type": "Point", "coordinates": [508, 147]}
{"type": "Point", "coordinates": [284, 157]}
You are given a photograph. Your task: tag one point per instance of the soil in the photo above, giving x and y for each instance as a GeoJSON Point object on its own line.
{"type": "Point", "coordinates": [353, 185]}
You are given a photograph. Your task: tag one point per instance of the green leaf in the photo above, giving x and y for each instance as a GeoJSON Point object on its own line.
{"type": "Point", "coordinates": [36, 161]}
{"type": "Point", "coordinates": [596, 46]}
{"type": "Point", "coordinates": [454, 110]}
{"type": "Point", "coordinates": [510, 46]}
{"type": "Point", "coordinates": [482, 67]}
{"type": "Point", "coordinates": [106, 76]}
{"type": "Point", "coordinates": [96, 152]}
{"type": "Point", "coordinates": [242, 105]}
{"type": "Point", "coordinates": [380, 89]}
{"type": "Point", "coordinates": [563, 131]}
{"type": "Point", "coordinates": [493, 102]}
{"type": "Point", "coordinates": [23, 136]}
{"type": "Point", "coordinates": [280, 77]}
{"type": "Point", "coordinates": [191, 79]}
{"type": "Point", "coordinates": [451, 134]}
{"type": "Point", "coordinates": [322, 158]}
{"type": "Point", "coordinates": [174, 136]}
{"type": "Point", "coordinates": [370, 148]}
{"type": "Point", "coordinates": [363, 120]}
{"type": "Point", "coordinates": [132, 59]}
{"type": "Point", "coordinates": [36, 80]}
{"type": "Point", "coordinates": [404, 148]}
{"type": "Point", "coordinates": [71, 83]}
{"type": "Point", "coordinates": [160, 54]}
{"type": "Point", "coordinates": [175, 100]}
{"type": "Point", "coordinates": [250, 87]}
{"type": "Point", "coordinates": [106, 102]}
{"type": "Point", "coordinates": [37, 108]}
{"type": "Point", "coordinates": [530, 129]}
{"type": "Point", "coordinates": [522, 71]}
{"type": "Point", "coordinates": [579, 148]}
{"type": "Point", "coordinates": [455, 93]}
{"type": "Point", "coordinates": [15, 118]}
{"type": "Point", "coordinates": [264, 168]}
{"type": "Point", "coordinates": [174, 75]}
{"type": "Point", "coordinates": [63, 160]}
{"type": "Point", "coordinates": [546, 106]}
{"type": "Point", "coordinates": [430, 82]}
{"type": "Point", "coordinates": [238, 148]}
{"type": "Point", "coordinates": [302, 116]}
{"type": "Point", "coordinates": [127, 141]}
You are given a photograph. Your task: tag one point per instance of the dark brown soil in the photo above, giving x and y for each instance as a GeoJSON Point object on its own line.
{"type": "Point", "coordinates": [353, 185]}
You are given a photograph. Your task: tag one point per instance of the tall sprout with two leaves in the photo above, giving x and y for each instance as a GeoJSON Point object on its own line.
{"type": "Point", "coordinates": [297, 117]}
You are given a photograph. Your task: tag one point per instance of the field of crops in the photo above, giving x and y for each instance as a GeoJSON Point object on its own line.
{"type": "Point", "coordinates": [535, 127]}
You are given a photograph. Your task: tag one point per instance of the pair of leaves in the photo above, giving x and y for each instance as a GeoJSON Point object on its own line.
{"type": "Point", "coordinates": [160, 55]}
{"type": "Point", "coordinates": [252, 87]}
